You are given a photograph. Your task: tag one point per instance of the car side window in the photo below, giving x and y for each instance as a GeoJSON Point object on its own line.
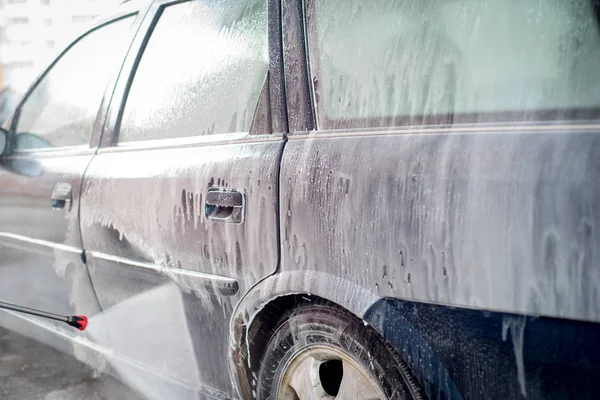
{"type": "Point", "coordinates": [61, 109]}
{"type": "Point", "coordinates": [405, 62]}
{"type": "Point", "coordinates": [200, 73]}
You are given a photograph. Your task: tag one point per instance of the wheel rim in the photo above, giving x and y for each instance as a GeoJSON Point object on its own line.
{"type": "Point", "coordinates": [314, 373]}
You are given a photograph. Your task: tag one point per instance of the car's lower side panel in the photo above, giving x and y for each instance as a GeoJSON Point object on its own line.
{"type": "Point", "coordinates": [461, 353]}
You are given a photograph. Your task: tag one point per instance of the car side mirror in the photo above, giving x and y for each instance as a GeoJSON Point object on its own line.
{"type": "Point", "coordinates": [3, 140]}
{"type": "Point", "coordinates": [27, 140]}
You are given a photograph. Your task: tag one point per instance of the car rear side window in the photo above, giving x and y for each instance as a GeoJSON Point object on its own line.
{"type": "Point", "coordinates": [201, 71]}
{"type": "Point", "coordinates": [405, 62]}
{"type": "Point", "coordinates": [61, 109]}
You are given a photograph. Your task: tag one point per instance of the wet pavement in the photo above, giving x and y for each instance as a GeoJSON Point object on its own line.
{"type": "Point", "coordinates": [31, 370]}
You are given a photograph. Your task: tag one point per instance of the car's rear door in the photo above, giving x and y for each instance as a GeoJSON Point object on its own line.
{"type": "Point", "coordinates": [455, 159]}
{"type": "Point", "coordinates": [41, 262]}
{"type": "Point", "coordinates": [183, 188]}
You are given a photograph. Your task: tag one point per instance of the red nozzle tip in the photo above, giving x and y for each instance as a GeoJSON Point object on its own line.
{"type": "Point", "coordinates": [83, 322]}
{"type": "Point", "coordinates": [78, 321]}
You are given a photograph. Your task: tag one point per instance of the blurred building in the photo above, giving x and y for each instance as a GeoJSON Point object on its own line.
{"type": "Point", "coordinates": [32, 32]}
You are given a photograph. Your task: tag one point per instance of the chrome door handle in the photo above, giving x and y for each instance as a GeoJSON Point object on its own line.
{"type": "Point", "coordinates": [224, 205]}
{"type": "Point", "coordinates": [62, 196]}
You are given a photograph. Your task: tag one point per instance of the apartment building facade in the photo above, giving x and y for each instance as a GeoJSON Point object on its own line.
{"type": "Point", "coordinates": [32, 32]}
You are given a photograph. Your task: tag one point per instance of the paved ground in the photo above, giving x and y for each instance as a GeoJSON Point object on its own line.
{"type": "Point", "coordinates": [30, 371]}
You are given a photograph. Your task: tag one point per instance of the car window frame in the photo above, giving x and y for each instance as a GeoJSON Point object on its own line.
{"type": "Point", "coordinates": [276, 94]}
{"type": "Point", "coordinates": [302, 116]}
{"type": "Point", "coordinates": [126, 10]}
{"type": "Point", "coordinates": [571, 116]}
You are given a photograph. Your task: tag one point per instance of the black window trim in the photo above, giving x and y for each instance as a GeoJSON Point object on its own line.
{"type": "Point", "coordinates": [154, 16]}
{"type": "Point", "coordinates": [298, 90]}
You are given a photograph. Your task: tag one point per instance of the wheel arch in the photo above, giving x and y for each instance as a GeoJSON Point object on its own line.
{"type": "Point", "coordinates": [266, 303]}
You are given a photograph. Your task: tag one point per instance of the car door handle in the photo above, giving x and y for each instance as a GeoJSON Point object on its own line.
{"type": "Point", "coordinates": [62, 196]}
{"type": "Point", "coordinates": [222, 205]}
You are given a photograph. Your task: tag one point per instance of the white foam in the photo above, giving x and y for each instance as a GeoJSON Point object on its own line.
{"type": "Point", "coordinates": [150, 343]}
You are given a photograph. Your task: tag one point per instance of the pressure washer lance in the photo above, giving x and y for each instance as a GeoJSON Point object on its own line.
{"type": "Point", "coordinates": [78, 321]}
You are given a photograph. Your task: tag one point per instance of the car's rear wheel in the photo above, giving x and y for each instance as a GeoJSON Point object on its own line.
{"type": "Point", "coordinates": [318, 351]}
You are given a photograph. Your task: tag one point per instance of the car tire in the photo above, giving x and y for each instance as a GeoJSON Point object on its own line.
{"type": "Point", "coordinates": [319, 351]}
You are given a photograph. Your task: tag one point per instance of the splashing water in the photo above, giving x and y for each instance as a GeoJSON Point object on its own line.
{"type": "Point", "coordinates": [516, 326]}
{"type": "Point", "coordinates": [149, 345]}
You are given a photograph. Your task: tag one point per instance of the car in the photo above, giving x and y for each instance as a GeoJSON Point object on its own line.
{"type": "Point", "coordinates": [316, 199]}
{"type": "Point", "coordinates": [8, 98]}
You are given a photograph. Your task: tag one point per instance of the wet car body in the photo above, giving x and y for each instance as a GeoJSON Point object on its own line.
{"type": "Point", "coordinates": [8, 100]}
{"type": "Point", "coordinates": [467, 240]}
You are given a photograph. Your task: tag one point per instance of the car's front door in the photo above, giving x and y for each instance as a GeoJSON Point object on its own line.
{"type": "Point", "coordinates": [183, 190]}
{"type": "Point", "coordinates": [41, 262]}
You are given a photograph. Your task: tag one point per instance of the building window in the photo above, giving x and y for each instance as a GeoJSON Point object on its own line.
{"type": "Point", "coordinates": [82, 18]}
{"type": "Point", "coordinates": [18, 43]}
{"type": "Point", "coordinates": [18, 20]}
{"type": "Point", "coordinates": [21, 64]}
